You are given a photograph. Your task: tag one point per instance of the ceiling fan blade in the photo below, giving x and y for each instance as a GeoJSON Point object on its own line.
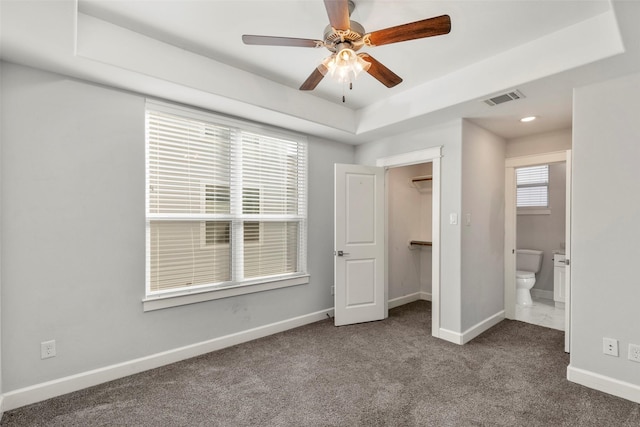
{"type": "Point", "coordinates": [380, 72]}
{"type": "Point", "coordinates": [280, 41]}
{"type": "Point", "coordinates": [414, 30]}
{"type": "Point", "coordinates": [313, 80]}
{"type": "Point", "coordinates": [338, 11]}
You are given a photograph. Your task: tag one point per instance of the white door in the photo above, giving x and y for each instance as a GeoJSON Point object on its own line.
{"type": "Point", "coordinates": [359, 244]}
{"type": "Point", "coordinates": [567, 260]}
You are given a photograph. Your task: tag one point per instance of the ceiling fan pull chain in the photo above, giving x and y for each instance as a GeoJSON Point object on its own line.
{"type": "Point", "coordinates": [343, 98]}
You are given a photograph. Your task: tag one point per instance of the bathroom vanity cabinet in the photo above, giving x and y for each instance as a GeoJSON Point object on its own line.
{"type": "Point", "coordinates": [559, 280]}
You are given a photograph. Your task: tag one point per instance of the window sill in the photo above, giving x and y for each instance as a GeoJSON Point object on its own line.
{"type": "Point", "coordinates": [166, 301]}
{"type": "Point", "coordinates": [534, 212]}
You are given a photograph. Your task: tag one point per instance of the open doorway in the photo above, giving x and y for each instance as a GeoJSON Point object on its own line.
{"type": "Point", "coordinates": [540, 237]}
{"type": "Point", "coordinates": [431, 156]}
{"type": "Point", "coordinates": [360, 208]}
{"type": "Point", "coordinates": [409, 222]}
{"type": "Point", "coordinates": [560, 254]}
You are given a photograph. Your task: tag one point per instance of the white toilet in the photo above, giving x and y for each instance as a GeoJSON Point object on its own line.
{"type": "Point", "coordinates": [528, 262]}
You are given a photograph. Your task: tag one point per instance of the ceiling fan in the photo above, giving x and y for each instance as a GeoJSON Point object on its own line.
{"type": "Point", "coordinates": [343, 37]}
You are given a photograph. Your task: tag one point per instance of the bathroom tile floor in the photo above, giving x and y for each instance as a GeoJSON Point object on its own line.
{"type": "Point", "coordinates": [543, 312]}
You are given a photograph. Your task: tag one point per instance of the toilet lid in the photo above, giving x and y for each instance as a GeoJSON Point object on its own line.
{"type": "Point", "coordinates": [525, 274]}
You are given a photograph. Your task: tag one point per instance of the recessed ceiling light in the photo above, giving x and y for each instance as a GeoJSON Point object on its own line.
{"type": "Point", "coordinates": [528, 119]}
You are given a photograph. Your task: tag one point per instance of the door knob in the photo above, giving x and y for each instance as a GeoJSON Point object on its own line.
{"type": "Point", "coordinates": [341, 253]}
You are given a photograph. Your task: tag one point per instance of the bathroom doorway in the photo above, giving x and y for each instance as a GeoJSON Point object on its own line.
{"type": "Point", "coordinates": [541, 228]}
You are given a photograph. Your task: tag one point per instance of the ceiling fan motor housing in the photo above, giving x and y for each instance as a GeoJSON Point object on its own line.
{"type": "Point", "coordinates": [335, 40]}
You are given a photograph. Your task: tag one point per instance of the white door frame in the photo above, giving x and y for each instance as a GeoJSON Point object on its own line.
{"type": "Point", "coordinates": [432, 155]}
{"type": "Point", "coordinates": [510, 228]}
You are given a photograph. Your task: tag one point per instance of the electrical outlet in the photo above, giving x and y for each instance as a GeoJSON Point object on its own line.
{"type": "Point", "coordinates": [610, 346]}
{"type": "Point", "coordinates": [47, 349]}
{"type": "Point", "coordinates": [634, 352]}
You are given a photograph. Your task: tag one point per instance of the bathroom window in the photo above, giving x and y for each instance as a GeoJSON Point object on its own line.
{"type": "Point", "coordinates": [532, 189]}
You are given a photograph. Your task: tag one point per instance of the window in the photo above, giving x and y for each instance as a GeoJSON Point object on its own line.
{"type": "Point", "coordinates": [532, 187]}
{"type": "Point", "coordinates": [226, 203]}
{"type": "Point", "coordinates": [214, 232]}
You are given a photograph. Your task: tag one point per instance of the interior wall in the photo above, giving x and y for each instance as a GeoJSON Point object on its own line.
{"type": "Point", "coordinates": [605, 231]}
{"type": "Point", "coordinates": [546, 232]}
{"type": "Point", "coordinates": [73, 221]}
{"type": "Point", "coordinates": [448, 136]}
{"type": "Point", "coordinates": [482, 223]}
{"type": "Point", "coordinates": [548, 142]}
{"type": "Point", "coordinates": [408, 220]}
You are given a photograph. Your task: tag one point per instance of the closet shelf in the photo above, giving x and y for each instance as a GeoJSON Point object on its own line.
{"type": "Point", "coordinates": [422, 183]}
{"type": "Point", "coordinates": [419, 243]}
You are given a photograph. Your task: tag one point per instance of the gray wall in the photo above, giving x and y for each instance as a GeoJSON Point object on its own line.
{"type": "Point", "coordinates": [74, 235]}
{"type": "Point", "coordinates": [483, 239]}
{"type": "Point", "coordinates": [449, 137]}
{"type": "Point", "coordinates": [605, 231]}
{"type": "Point", "coordinates": [546, 142]}
{"type": "Point", "coordinates": [546, 232]}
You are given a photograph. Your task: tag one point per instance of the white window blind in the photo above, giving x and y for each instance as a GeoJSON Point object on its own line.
{"type": "Point", "coordinates": [226, 203]}
{"type": "Point", "coordinates": [532, 186]}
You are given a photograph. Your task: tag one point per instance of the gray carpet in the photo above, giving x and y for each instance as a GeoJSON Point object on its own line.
{"type": "Point", "coordinates": [382, 373]}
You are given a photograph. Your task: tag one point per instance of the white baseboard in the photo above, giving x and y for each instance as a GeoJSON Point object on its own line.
{"type": "Point", "coordinates": [541, 293]}
{"type": "Point", "coordinates": [607, 385]}
{"type": "Point", "coordinates": [406, 299]}
{"type": "Point", "coordinates": [480, 327]}
{"type": "Point", "coordinates": [425, 296]}
{"type": "Point", "coordinates": [39, 392]}
{"type": "Point", "coordinates": [472, 332]}
{"type": "Point", "coordinates": [1, 406]}
{"type": "Point", "coordinates": [451, 336]}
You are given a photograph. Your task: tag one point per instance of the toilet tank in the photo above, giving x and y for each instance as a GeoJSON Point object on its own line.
{"type": "Point", "coordinates": [528, 260]}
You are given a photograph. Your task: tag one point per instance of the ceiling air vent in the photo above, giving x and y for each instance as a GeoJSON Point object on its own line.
{"type": "Point", "coordinates": [505, 97]}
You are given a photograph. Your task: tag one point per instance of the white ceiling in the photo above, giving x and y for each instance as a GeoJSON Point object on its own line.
{"type": "Point", "coordinates": [544, 48]}
{"type": "Point", "coordinates": [480, 29]}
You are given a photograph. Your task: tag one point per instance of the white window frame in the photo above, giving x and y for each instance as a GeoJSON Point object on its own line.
{"type": "Point", "coordinates": [166, 299]}
{"type": "Point", "coordinates": [223, 217]}
{"type": "Point", "coordinates": [534, 210]}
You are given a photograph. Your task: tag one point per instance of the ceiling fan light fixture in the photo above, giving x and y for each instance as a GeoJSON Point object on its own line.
{"type": "Point", "coordinates": [344, 66]}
